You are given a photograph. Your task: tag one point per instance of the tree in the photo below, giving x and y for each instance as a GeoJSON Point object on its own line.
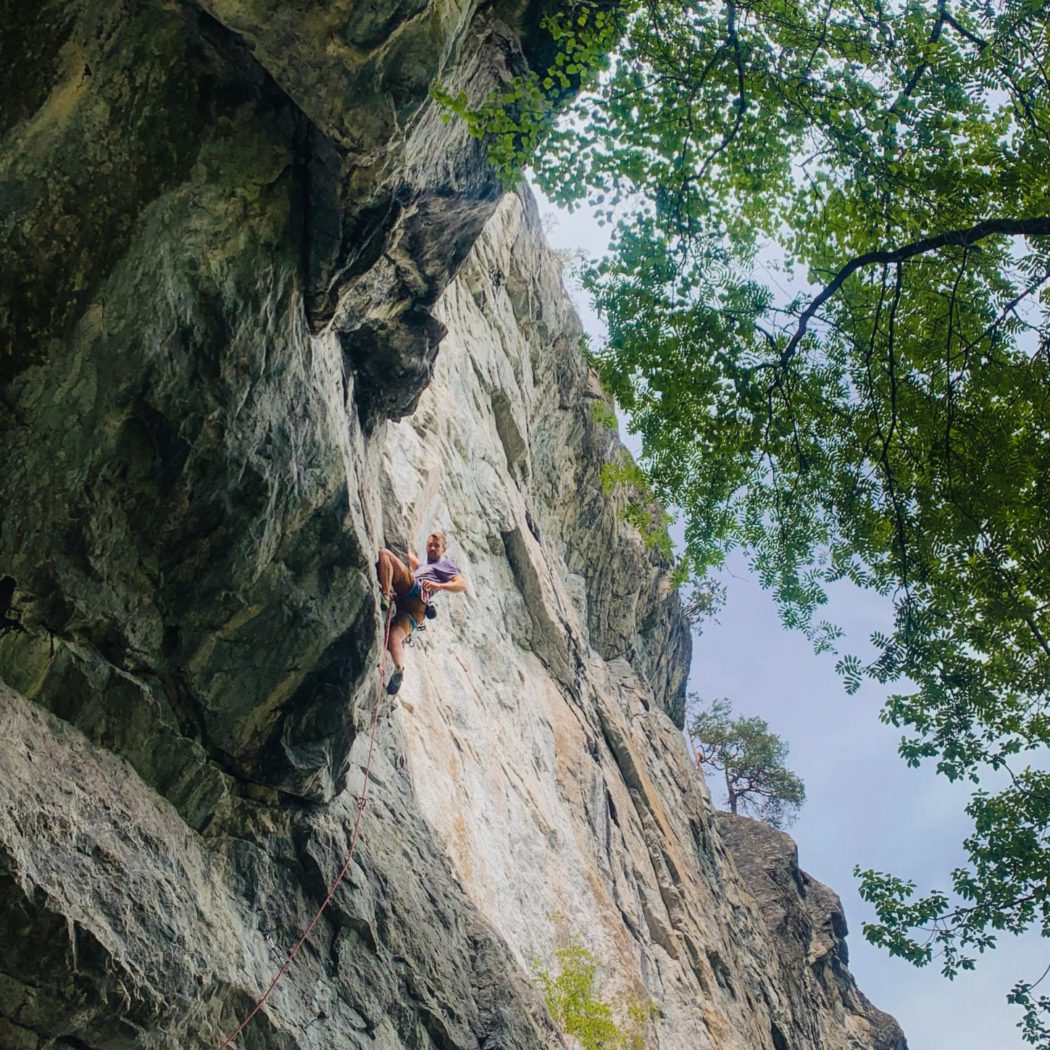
{"type": "Point", "coordinates": [750, 758]}
{"type": "Point", "coordinates": [576, 1006]}
{"type": "Point", "coordinates": [887, 422]}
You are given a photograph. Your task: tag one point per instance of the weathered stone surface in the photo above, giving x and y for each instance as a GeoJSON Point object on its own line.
{"type": "Point", "coordinates": [807, 924]}
{"type": "Point", "coordinates": [178, 208]}
{"type": "Point", "coordinates": [156, 937]}
{"type": "Point", "coordinates": [232, 230]}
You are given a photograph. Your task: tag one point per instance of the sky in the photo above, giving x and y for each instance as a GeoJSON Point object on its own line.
{"type": "Point", "coordinates": [864, 806]}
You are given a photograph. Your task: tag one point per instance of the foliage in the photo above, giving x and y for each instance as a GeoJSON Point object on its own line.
{"type": "Point", "coordinates": [887, 422]}
{"type": "Point", "coordinates": [577, 1008]}
{"type": "Point", "coordinates": [517, 119]}
{"type": "Point", "coordinates": [603, 414]}
{"type": "Point", "coordinates": [751, 759]}
{"type": "Point", "coordinates": [640, 508]}
{"type": "Point", "coordinates": [1003, 889]}
{"type": "Point", "coordinates": [701, 601]}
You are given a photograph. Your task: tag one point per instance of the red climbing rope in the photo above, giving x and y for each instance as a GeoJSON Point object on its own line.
{"type": "Point", "coordinates": [228, 1041]}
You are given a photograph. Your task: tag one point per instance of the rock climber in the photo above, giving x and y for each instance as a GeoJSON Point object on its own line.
{"type": "Point", "coordinates": [409, 587]}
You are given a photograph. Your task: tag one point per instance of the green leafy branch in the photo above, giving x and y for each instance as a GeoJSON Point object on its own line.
{"type": "Point", "coordinates": [641, 510]}
{"type": "Point", "coordinates": [515, 120]}
{"type": "Point", "coordinates": [573, 997]}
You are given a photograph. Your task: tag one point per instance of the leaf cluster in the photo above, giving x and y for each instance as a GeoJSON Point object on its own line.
{"type": "Point", "coordinates": [639, 507]}
{"type": "Point", "coordinates": [572, 995]}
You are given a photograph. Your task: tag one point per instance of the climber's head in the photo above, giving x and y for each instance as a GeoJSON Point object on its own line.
{"type": "Point", "coordinates": [436, 545]}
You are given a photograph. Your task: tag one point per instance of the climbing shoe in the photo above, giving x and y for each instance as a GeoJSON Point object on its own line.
{"type": "Point", "coordinates": [395, 680]}
{"type": "Point", "coordinates": [384, 602]}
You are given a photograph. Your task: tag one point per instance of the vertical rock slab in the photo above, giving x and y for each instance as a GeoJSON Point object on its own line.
{"type": "Point", "coordinates": [227, 225]}
{"type": "Point", "coordinates": [539, 708]}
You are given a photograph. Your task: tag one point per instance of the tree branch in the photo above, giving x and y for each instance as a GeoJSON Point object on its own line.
{"type": "Point", "coordinates": [963, 31]}
{"type": "Point", "coordinates": [1038, 226]}
{"type": "Point", "coordinates": [733, 41]}
{"type": "Point", "coordinates": [921, 68]}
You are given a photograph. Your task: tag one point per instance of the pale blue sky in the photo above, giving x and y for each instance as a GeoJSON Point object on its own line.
{"type": "Point", "coordinates": [864, 805]}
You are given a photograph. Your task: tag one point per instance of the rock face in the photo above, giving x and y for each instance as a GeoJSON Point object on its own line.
{"type": "Point", "coordinates": [236, 234]}
{"type": "Point", "coordinates": [808, 927]}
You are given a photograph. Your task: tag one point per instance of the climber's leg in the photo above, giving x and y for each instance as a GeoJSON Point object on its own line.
{"type": "Point", "coordinates": [395, 578]}
{"type": "Point", "coordinates": [400, 629]}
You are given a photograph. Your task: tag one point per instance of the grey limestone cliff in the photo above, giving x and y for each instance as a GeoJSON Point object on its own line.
{"type": "Point", "coordinates": [263, 311]}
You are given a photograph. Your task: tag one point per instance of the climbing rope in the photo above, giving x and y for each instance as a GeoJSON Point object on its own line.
{"type": "Point", "coordinates": [228, 1041]}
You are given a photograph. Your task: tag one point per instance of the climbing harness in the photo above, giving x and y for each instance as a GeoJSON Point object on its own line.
{"type": "Point", "coordinates": [424, 590]}
{"type": "Point", "coordinates": [361, 799]}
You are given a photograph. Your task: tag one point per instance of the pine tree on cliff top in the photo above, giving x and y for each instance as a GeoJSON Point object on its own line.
{"type": "Point", "coordinates": [750, 758]}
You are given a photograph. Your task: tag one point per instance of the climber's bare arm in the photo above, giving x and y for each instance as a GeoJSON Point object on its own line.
{"type": "Point", "coordinates": [454, 586]}
{"type": "Point", "coordinates": [413, 561]}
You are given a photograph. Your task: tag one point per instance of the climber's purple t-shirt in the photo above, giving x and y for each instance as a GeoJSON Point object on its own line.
{"type": "Point", "coordinates": [440, 571]}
